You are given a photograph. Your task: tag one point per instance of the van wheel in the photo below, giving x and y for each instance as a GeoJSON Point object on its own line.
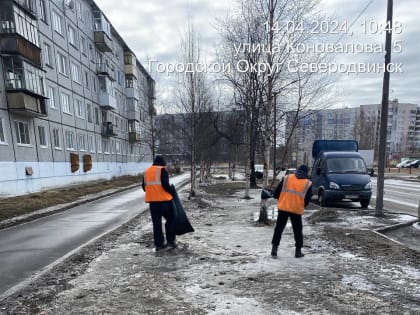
{"type": "Point", "coordinates": [365, 203]}
{"type": "Point", "coordinates": [321, 199]}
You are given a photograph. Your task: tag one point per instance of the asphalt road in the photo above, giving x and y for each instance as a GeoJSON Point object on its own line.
{"type": "Point", "coordinates": [399, 195]}
{"type": "Point", "coordinates": [28, 248]}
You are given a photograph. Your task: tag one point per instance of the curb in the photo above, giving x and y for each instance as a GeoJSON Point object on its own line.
{"type": "Point", "coordinates": [61, 207]}
{"type": "Point", "coordinates": [381, 231]}
{"type": "Point", "coordinates": [395, 226]}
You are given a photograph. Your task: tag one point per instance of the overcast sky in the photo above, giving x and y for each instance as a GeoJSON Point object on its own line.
{"type": "Point", "coordinates": [152, 29]}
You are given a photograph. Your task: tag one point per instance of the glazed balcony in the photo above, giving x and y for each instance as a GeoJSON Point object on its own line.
{"type": "Point", "coordinates": [102, 32]}
{"type": "Point", "coordinates": [107, 101]}
{"type": "Point", "coordinates": [108, 129]}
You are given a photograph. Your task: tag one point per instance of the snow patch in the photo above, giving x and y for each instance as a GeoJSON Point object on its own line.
{"type": "Point", "coordinates": [357, 282]}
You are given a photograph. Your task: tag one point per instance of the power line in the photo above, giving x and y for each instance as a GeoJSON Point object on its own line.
{"type": "Point", "coordinates": [355, 20]}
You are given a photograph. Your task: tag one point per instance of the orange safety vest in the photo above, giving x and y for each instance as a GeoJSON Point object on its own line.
{"type": "Point", "coordinates": [153, 185]}
{"type": "Point", "coordinates": [293, 192]}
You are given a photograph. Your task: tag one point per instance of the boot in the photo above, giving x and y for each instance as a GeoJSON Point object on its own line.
{"type": "Point", "coordinates": [298, 253]}
{"type": "Point", "coordinates": [274, 251]}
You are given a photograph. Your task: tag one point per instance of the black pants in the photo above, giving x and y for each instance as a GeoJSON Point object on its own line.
{"type": "Point", "coordinates": [281, 224]}
{"type": "Point", "coordinates": [157, 211]}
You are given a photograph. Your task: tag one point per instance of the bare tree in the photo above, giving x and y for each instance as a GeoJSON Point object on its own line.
{"type": "Point", "coordinates": [260, 33]}
{"type": "Point", "coordinates": [193, 94]}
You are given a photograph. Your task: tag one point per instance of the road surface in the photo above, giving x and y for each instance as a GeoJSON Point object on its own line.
{"type": "Point", "coordinates": [399, 195]}
{"type": "Point", "coordinates": [27, 248]}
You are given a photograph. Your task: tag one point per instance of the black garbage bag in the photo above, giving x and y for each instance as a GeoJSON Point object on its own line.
{"type": "Point", "coordinates": [266, 194]}
{"type": "Point", "coordinates": [181, 223]}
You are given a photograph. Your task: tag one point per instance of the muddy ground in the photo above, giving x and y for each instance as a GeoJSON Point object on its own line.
{"type": "Point", "coordinates": [225, 267]}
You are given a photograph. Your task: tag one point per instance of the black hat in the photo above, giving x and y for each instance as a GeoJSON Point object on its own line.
{"type": "Point", "coordinates": [159, 160]}
{"type": "Point", "coordinates": [303, 169]}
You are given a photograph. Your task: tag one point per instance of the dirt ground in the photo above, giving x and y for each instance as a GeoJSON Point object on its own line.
{"type": "Point", "coordinates": [20, 205]}
{"type": "Point", "coordinates": [225, 267]}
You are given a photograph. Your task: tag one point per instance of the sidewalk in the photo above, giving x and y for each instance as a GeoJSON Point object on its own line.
{"type": "Point", "coordinates": [225, 267]}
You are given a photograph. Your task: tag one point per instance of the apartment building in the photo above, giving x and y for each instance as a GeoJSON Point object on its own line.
{"type": "Point", "coordinates": [403, 126]}
{"type": "Point", "coordinates": [360, 123]}
{"type": "Point", "coordinates": [74, 99]}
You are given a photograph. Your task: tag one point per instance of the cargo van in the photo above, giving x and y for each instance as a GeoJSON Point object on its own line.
{"type": "Point", "coordinates": [339, 173]}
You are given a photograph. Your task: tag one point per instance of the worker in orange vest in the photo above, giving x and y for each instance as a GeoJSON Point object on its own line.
{"type": "Point", "coordinates": [293, 194]}
{"type": "Point", "coordinates": [158, 195]}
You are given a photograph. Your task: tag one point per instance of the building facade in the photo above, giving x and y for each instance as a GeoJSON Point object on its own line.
{"type": "Point", "coordinates": [74, 99]}
{"type": "Point", "coordinates": [360, 123]}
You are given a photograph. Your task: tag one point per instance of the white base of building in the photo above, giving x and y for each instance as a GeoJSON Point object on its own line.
{"type": "Point", "coordinates": [48, 175]}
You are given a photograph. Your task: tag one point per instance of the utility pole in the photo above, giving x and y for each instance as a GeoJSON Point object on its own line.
{"type": "Point", "coordinates": [384, 115]}
{"type": "Point", "coordinates": [274, 136]}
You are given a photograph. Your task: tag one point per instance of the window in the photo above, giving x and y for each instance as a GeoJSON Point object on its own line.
{"type": "Point", "coordinates": [24, 25]}
{"type": "Point", "coordinates": [105, 146]}
{"type": "Point", "coordinates": [99, 144]}
{"type": "Point", "coordinates": [82, 142]}
{"type": "Point", "coordinates": [75, 73]}
{"type": "Point", "coordinates": [83, 45]}
{"type": "Point", "coordinates": [56, 138]}
{"type": "Point", "coordinates": [92, 53]}
{"type": "Point", "coordinates": [51, 93]}
{"type": "Point", "coordinates": [42, 137]}
{"type": "Point", "coordinates": [20, 74]}
{"type": "Point", "coordinates": [112, 146]}
{"type": "Point", "coordinates": [117, 147]}
{"type": "Point", "coordinates": [86, 79]}
{"type": "Point", "coordinates": [65, 103]}
{"type": "Point", "coordinates": [72, 37]}
{"type": "Point", "coordinates": [80, 11]}
{"type": "Point", "coordinates": [91, 144]}
{"type": "Point", "coordinates": [79, 108]}
{"type": "Point", "coordinates": [89, 113]}
{"type": "Point", "coordinates": [94, 83]}
{"type": "Point", "coordinates": [62, 63]}
{"type": "Point", "coordinates": [46, 54]}
{"type": "Point", "coordinates": [69, 140]}
{"type": "Point", "coordinates": [2, 135]}
{"type": "Point", "coordinates": [57, 23]}
{"type": "Point", "coordinates": [97, 115]}
{"type": "Point", "coordinates": [22, 132]}
{"type": "Point", "coordinates": [42, 11]}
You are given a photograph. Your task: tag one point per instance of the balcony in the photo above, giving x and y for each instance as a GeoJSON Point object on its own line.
{"type": "Point", "coordinates": [133, 114]}
{"type": "Point", "coordinates": [130, 70]}
{"type": "Point", "coordinates": [102, 41]}
{"type": "Point", "coordinates": [26, 103]}
{"type": "Point", "coordinates": [14, 44]}
{"type": "Point", "coordinates": [133, 137]}
{"type": "Point", "coordinates": [25, 91]}
{"type": "Point", "coordinates": [102, 31]}
{"type": "Point", "coordinates": [105, 69]}
{"type": "Point", "coordinates": [108, 129]}
{"type": "Point", "coordinates": [131, 93]}
{"type": "Point", "coordinates": [107, 101]}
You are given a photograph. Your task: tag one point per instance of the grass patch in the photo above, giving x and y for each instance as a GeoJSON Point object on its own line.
{"type": "Point", "coordinates": [15, 206]}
